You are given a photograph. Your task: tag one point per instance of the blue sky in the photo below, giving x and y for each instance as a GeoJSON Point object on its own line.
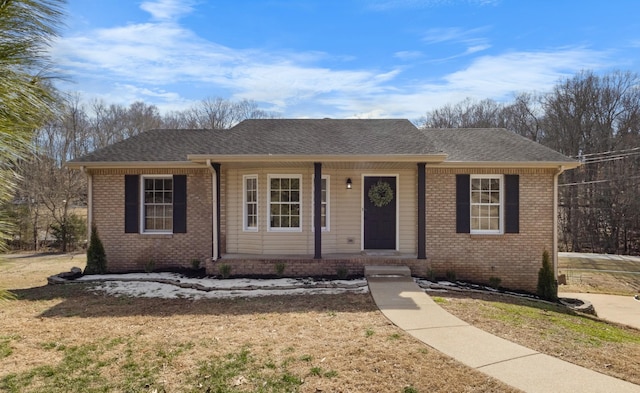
{"type": "Point", "coordinates": [339, 58]}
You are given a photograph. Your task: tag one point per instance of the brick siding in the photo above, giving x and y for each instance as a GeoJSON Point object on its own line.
{"type": "Point", "coordinates": [133, 251]}
{"type": "Point", "coordinates": [514, 258]}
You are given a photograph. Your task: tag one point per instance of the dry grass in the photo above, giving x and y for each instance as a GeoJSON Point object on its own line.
{"type": "Point", "coordinates": [66, 338]}
{"type": "Point", "coordinates": [597, 275]}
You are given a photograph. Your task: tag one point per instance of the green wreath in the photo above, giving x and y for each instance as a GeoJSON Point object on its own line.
{"type": "Point", "coordinates": [380, 194]}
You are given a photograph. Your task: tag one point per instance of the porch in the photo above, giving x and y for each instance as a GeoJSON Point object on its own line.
{"type": "Point", "coordinates": [330, 265]}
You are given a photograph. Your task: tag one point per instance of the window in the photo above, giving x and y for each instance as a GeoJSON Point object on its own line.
{"type": "Point", "coordinates": [157, 204]}
{"type": "Point", "coordinates": [486, 204]}
{"type": "Point", "coordinates": [250, 202]}
{"type": "Point", "coordinates": [324, 208]}
{"type": "Point", "coordinates": [284, 202]}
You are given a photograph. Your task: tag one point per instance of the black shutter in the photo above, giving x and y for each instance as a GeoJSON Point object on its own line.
{"type": "Point", "coordinates": [463, 192]}
{"type": "Point", "coordinates": [512, 203]}
{"type": "Point", "coordinates": [180, 204]}
{"type": "Point", "coordinates": [131, 201]}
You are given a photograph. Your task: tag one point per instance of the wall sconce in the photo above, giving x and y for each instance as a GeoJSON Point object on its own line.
{"type": "Point", "coordinates": [349, 183]}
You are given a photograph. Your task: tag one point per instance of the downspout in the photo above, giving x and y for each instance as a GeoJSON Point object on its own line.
{"type": "Point", "coordinates": [214, 212]}
{"type": "Point", "coordinates": [555, 220]}
{"type": "Point", "coordinates": [89, 201]}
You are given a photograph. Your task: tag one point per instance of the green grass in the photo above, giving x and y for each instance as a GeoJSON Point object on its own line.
{"type": "Point", "coordinates": [585, 329]}
{"type": "Point", "coordinates": [83, 368]}
{"type": "Point", "coordinates": [438, 300]}
{"type": "Point", "coordinates": [241, 372]}
{"type": "Point", "coordinates": [5, 345]}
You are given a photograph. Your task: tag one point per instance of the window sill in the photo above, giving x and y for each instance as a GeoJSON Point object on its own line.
{"type": "Point", "coordinates": [486, 236]}
{"type": "Point", "coordinates": [157, 235]}
{"type": "Point", "coordinates": [283, 230]}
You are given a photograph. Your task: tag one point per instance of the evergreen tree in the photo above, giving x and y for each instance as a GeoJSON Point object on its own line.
{"type": "Point", "coordinates": [26, 29]}
{"type": "Point", "coordinates": [547, 286]}
{"type": "Point", "coordinates": [96, 257]}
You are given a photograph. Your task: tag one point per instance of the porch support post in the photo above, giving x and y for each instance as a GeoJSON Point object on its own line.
{"type": "Point", "coordinates": [422, 216]}
{"type": "Point", "coordinates": [317, 209]}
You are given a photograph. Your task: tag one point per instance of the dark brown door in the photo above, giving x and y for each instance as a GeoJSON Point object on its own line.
{"type": "Point", "coordinates": [380, 213]}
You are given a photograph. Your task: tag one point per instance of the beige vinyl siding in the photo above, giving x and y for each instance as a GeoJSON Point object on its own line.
{"type": "Point", "coordinates": [408, 211]}
{"type": "Point", "coordinates": [345, 213]}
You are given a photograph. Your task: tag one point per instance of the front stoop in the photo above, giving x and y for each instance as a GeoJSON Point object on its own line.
{"type": "Point", "coordinates": [401, 271]}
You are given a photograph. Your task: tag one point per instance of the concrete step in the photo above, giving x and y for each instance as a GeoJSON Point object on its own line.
{"type": "Point", "coordinates": [402, 271]}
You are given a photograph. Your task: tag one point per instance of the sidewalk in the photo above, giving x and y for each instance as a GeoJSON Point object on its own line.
{"type": "Point", "coordinates": [619, 309]}
{"type": "Point", "coordinates": [406, 305]}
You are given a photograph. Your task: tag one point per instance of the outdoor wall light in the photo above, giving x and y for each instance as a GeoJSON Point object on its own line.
{"type": "Point", "coordinates": [349, 183]}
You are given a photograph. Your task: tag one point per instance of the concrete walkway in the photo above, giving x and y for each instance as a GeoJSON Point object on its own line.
{"type": "Point", "coordinates": [619, 309]}
{"type": "Point", "coordinates": [407, 305]}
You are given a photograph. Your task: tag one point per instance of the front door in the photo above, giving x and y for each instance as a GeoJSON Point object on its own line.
{"type": "Point", "coordinates": [380, 198]}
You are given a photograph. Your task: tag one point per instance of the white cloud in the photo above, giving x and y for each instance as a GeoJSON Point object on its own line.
{"type": "Point", "coordinates": [148, 60]}
{"type": "Point", "coordinates": [167, 10]}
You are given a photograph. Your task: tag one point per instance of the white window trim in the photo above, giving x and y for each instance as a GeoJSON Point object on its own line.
{"type": "Point", "coordinates": [245, 226]}
{"type": "Point", "coordinates": [326, 228]}
{"type": "Point", "coordinates": [501, 221]}
{"type": "Point", "coordinates": [143, 229]}
{"type": "Point", "coordinates": [283, 176]}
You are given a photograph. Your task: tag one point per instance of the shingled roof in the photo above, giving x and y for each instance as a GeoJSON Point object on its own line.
{"type": "Point", "coordinates": [324, 137]}
{"type": "Point", "coordinates": [490, 145]}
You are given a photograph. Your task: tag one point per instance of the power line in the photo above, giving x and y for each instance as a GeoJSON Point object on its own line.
{"type": "Point", "coordinates": [596, 182]}
{"type": "Point", "coordinates": [608, 152]}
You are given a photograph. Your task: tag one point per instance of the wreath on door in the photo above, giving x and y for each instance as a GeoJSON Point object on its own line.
{"type": "Point", "coordinates": [380, 194]}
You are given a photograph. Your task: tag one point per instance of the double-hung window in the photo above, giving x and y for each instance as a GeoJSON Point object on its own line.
{"type": "Point", "coordinates": [324, 203]}
{"type": "Point", "coordinates": [285, 202]}
{"type": "Point", "coordinates": [157, 199]}
{"type": "Point", "coordinates": [155, 204]}
{"type": "Point", "coordinates": [250, 202]}
{"type": "Point", "coordinates": [486, 204]}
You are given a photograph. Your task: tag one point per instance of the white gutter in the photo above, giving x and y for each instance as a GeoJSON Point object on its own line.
{"type": "Point", "coordinates": [508, 164]}
{"type": "Point", "coordinates": [214, 211]}
{"type": "Point", "coordinates": [230, 158]}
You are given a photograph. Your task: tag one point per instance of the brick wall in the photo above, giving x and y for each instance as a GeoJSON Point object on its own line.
{"type": "Point", "coordinates": [514, 258]}
{"type": "Point", "coordinates": [305, 267]}
{"type": "Point", "coordinates": [132, 251]}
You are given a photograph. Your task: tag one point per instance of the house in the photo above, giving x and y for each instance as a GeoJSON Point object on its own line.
{"type": "Point", "coordinates": [326, 196]}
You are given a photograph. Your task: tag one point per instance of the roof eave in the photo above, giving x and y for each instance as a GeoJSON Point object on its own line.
{"type": "Point", "coordinates": [428, 158]}
{"type": "Point", "coordinates": [132, 164]}
{"type": "Point", "coordinates": [566, 165]}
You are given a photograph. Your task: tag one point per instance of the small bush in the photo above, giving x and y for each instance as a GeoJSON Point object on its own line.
{"type": "Point", "coordinates": [195, 264]}
{"type": "Point", "coordinates": [96, 256]}
{"type": "Point", "coordinates": [547, 286]}
{"type": "Point", "coordinates": [431, 275]}
{"type": "Point", "coordinates": [280, 266]}
{"type": "Point", "coordinates": [149, 266]}
{"type": "Point", "coordinates": [494, 282]}
{"type": "Point", "coordinates": [342, 272]}
{"type": "Point", "coordinates": [225, 270]}
{"type": "Point", "coordinates": [451, 275]}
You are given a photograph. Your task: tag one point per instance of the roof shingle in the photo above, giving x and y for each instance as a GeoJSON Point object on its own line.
{"type": "Point", "coordinates": [316, 137]}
